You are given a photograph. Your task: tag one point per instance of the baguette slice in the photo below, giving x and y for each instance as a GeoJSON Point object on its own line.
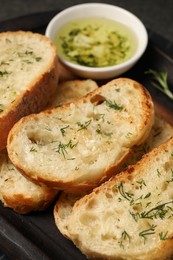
{"type": "Point", "coordinates": [28, 77]}
{"type": "Point", "coordinates": [79, 145]}
{"type": "Point", "coordinates": [20, 194]}
{"type": "Point", "coordinates": [160, 133]}
{"type": "Point", "coordinates": [63, 209]}
{"type": "Point", "coordinates": [70, 90]}
{"type": "Point", "coordinates": [130, 216]}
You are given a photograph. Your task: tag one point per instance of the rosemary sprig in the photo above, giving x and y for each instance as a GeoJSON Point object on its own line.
{"type": "Point", "coordinates": [159, 81]}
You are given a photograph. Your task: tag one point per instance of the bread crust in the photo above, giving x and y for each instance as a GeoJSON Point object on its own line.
{"type": "Point", "coordinates": [35, 197]}
{"type": "Point", "coordinates": [36, 96]}
{"type": "Point", "coordinates": [24, 205]}
{"type": "Point", "coordinates": [77, 184]}
{"type": "Point", "coordinates": [19, 193]}
{"type": "Point", "coordinates": [160, 133]}
{"type": "Point", "coordinates": [91, 203]}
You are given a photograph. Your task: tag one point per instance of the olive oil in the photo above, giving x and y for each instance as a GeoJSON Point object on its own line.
{"type": "Point", "coordinates": [96, 42]}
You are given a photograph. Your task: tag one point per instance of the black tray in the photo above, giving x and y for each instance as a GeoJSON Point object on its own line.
{"type": "Point", "coordinates": [35, 236]}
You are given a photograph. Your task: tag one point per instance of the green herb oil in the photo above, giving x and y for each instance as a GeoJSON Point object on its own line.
{"type": "Point", "coordinates": [96, 42]}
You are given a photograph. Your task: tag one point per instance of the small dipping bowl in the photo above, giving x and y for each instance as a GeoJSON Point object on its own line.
{"type": "Point", "coordinates": [94, 10]}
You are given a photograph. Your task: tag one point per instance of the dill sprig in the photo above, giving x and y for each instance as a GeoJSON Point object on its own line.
{"type": "Point", "coordinates": [62, 148]}
{"type": "Point", "coordinates": [147, 232]}
{"type": "Point", "coordinates": [63, 132]}
{"type": "Point", "coordinates": [84, 125]}
{"type": "Point", "coordinates": [114, 105]}
{"type": "Point", "coordinates": [124, 194]}
{"type": "Point", "coordinates": [158, 211]}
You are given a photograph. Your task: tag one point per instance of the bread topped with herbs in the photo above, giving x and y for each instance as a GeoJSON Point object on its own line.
{"type": "Point", "coordinates": [28, 77]}
{"type": "Point", "coordinates": [130, 216]}
{"type": "Point", "coordinates": [160, 133]}
{"type": "Point", "coordinates": [78, 146]}
{"type": "Point", "coordinates": [18, 192]}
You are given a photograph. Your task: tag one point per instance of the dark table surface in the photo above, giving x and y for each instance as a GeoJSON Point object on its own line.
{"type": "Point", "coordinates": [157, 15]}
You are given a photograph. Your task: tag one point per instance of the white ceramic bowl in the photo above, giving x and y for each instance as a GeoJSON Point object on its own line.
{"type": "Point", "coordinates": [102, 10]}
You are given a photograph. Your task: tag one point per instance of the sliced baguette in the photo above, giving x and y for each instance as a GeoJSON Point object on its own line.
{"type": "Point", "coordinates": [131, 215]}
{"type": "Point", "coordinates": [160, 133]}
{"type": "Point", "coordinates": [18, 192]}
{"type": "Point", "coordinates": [79, 145]}
{"type": "Point", "coordinates": [62, 210]}
{"type": "Point", "coordinates": [28, 77]}
{"type": "Point", "coordinates": [70, 90]}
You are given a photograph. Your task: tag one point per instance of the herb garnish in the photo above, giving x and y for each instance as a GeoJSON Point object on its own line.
{"type": "Point", "coordinates": [124, 194]}
{"type": "Point", "coordinates": [63, 130]}
{"type": "Point", "coordinates": [32, 149]}
{"type": "Point", "coordinates": [62, 148]}
{"type": "Point", "coordinates": [84, 125]}
{"type": "Point", "coordinates": [114, 105]}
{"type": "Point", "coordinates": [158, 211]}
{"type": "Point", "coordinates": [159, 81]}
{"type": "Point", "coordinates": [163, 235]}
{"type": "Point", "coordinates": [124, 237]}
{"type": "Point", "coordinates": [147, 232]}
{"type": "Point", "coordinates": [3, 73]}
{"type": "Point", "coordinates": [142, 183]}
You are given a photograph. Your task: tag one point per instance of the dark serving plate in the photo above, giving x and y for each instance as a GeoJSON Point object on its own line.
{"type": "Point", "coordinates": [35, 236]}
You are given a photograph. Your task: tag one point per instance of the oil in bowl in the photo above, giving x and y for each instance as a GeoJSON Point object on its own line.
{"type": "Point", "coordinates": [96, 42]}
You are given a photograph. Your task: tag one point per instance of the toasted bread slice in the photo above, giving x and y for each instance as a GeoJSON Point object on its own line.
{"type": "Point", "coordinates": [79, 145]}
{"type": "Point", "coordinates": [131, 215]}
{"type": "Point", "coordinates": [62, 210]}
{"type": "Point", "coordinates": [70, 90]}
{"type": "Point", "coordinates": [28, 77]}
{"type": "Point", "coordinates": [160, 133]}
{"type": "Point", "coordinates": [20, 194]}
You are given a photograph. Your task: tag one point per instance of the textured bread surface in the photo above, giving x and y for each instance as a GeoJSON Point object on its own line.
{"type": "Point", "coordinates": [28, 77]}
{"type": "Point", "coordinates": [62, 210]}
{"type": "Point", "coordinates": [130, 216]}
{"type": "Point", "coordinates": [79, 145]}
{"type": "Point", "coordinates": [19, 193]}
{"type": "Point", "coordinates": [70, 90]}
{"type": "Point", "coordinates": [160, 133]}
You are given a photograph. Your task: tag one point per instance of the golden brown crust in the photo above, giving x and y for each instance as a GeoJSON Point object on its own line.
{"type": "Point", "coordinates": [69, 183]}
{"type": "Point", "coordinates": [23, 204]}
{"type": "Point", "coordinates": [157, 248]}
{"type": "Point", "coordinates": [20, 194]}
{"type": "Point", "coordinates": [35, 98]}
